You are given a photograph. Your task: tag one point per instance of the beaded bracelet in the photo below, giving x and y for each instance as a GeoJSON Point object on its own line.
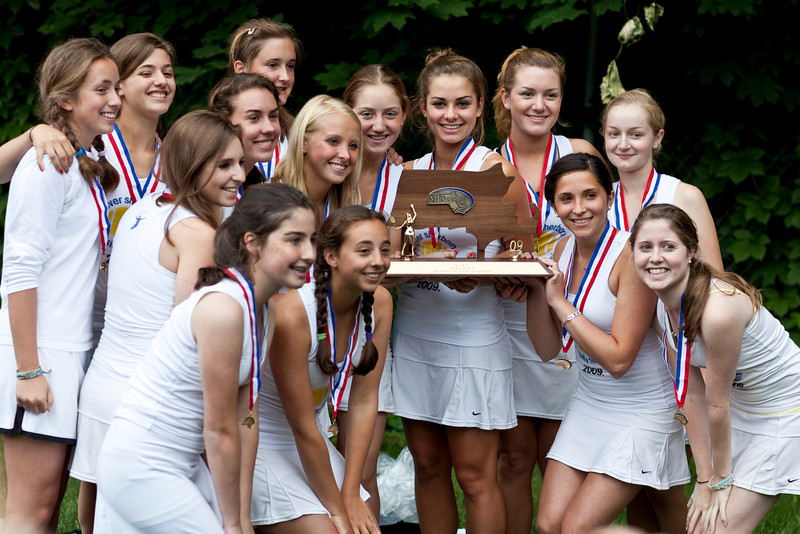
{"type": "Point", "coordinates": [721, 485]}
{"type": "Point", "coordinates": [571, 316]}
{"type": "Point", "coordinates": [31, 374]}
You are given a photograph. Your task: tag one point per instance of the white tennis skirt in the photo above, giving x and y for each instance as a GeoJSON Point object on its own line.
{"type": "Point", "coordinates": [643, 448]}
{"type": "Point", "coordinates": [281, 490]}
{"type": "Point", "coordinates": [453, 385]}
{"type": "Point", "coordinates": [766, 451]}
{"type": "Point", "coordinates": [60, 424]}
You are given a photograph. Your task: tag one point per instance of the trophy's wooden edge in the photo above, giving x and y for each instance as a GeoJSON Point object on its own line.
{"type": "Point", "coordinates": [472, 268]}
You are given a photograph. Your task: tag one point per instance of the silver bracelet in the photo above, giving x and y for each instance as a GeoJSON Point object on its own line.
{"type": "Point", "coordinates": [32, 374]}
{"type": "Point", "coordinates": [571, 316]}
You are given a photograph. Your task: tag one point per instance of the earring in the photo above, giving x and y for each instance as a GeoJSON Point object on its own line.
{"type": "Point", "coordinates": [507, 106]}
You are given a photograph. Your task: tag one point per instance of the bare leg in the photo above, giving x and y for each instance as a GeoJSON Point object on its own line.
{"type": "Point", "coordinates": [669, 507]}
{"type": "Point", "coordinates": [559, 487]}
{"type": "Point", "coordinates": [307, 524]}
{"type": "Point", "coordinates": [433, 485]}
{"type": "Point", "coordinates": [87, 498]}
{"type": "Point", "coordinates": [745, 509]}
{"type": "Point", "coordinates": [517, 458]}
{"type": "Point", "coordinates": [35, 469]}
{"type": "Point", "coordinates": [641, 514]}
{"type": "Point", "coordinates": [474, 454]}
{"type": "Point", "coordinates": [598, 501]}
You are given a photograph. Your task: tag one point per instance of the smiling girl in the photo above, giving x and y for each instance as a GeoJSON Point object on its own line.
{"type": "Point", "coordinates": [619, 433]}
{"type": "Point", "coordinates": [452, 356]}
{"type": "Point", "coordinates": [250, 101]}
{"type": "Point", "coordinates": [527, 106]}
{"type": "Point", "coordinates": [632, 125]}
{"type": "Point", "coordinates": [324, 158]}
{"type": "Point", "coordinates": [327, 334]}
{"type": "Point", "coordinates": [161, 243]}
{"type": "Point", "coordinates": [271, 49]}
{"type": "Point", "coordinates": [55, 230]}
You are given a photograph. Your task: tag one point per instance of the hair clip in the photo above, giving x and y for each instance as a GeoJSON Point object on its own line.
{"type": "Point", "coordinates": [251, 31]}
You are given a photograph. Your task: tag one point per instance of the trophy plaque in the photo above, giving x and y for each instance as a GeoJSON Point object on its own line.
{"type": "Point", "coordinates": [489, 204]}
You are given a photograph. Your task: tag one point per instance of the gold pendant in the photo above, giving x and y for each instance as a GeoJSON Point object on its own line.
{"type": "Point", "coordinates": [563, 363]}
{"type": "Point", "coordinates": [249, 421]}
{"type": "Point", "coordinates": [679, 416]}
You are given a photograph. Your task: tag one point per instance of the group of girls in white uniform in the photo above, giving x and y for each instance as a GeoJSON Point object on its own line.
{"type": "Point", "coordinates": [475, 393]}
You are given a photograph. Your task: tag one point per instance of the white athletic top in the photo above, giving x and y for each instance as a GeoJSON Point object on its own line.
{"type": "Point", "coordinates": [646, 386]}
{"type": "Point", "coordinates": [768, 373]}
{"type": "Point", "coordinates": [273, 427]}
{"type": "Point", "coordinates": [429, 310]}
{"type": "Point", "coordinates": [385, 188]}
{"type": "Point", "coordinates": [141, 292]}
{"type": "Point", "coordinates": [553, 230]}
{"type": "Point", "coordinates": [131, 188]}
{"type": "Point", "coordinates": [52, 243]}
{"type": "Point", "coordinates": [165, 394]}
{"type": "Point", "coordinates": [665, 190]}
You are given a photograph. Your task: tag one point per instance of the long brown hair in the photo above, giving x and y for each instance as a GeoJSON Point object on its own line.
{"type": "Point", "coordinates": [60, 77]}
{"type": "Point", "coordinates": [193, 140]}
{"type": "Point", "coordinates": [700, 273]}
{"type": "Point", "coordinates": [261, 210]}
{"type": "Point", "coordinates": [330, 238]}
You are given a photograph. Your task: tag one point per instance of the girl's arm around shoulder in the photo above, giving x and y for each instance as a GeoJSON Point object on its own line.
{"type": "Point", "coordinates": [691, 200]}
{"type": "Point", "coordinates": [217, 326]}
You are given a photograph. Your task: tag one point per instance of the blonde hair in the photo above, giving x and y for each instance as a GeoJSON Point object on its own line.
{"type": "Point", "coordinates": [290, 170]}
{"type": "Point", "coordinates": [643, 99]}
{"type": "Point", "coordinates": [60, 78]}
{"type": "Point", "coordinates": [520, 58]}
{"type": "Point", "coordinates": [438, 63]}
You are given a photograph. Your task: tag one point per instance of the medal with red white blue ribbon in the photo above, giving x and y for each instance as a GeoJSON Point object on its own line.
{"type": "Point", "coordinates": [258, 346]}
{"type": "Point", "coordinates": [340, 379]}
{"type": "Point", "coordinates": [552, 155]}
{"type": "Point", "coordinates": [618, 215]}
{"type": "Point", "coordinates": [136, 188]}
{"type": "Point", "coordinates": [684, 355]}
{"type": "Point", "coordinates": [589, 277]}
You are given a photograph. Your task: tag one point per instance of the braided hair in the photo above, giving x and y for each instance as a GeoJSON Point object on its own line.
{"type": "Point", "coordinates": [60, 77]}
{"type": "Point", "coordinates": [330, 238]}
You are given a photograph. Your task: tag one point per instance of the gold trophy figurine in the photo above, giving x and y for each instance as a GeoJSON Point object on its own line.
{"type": "Point", "coordinates": [407, 228]}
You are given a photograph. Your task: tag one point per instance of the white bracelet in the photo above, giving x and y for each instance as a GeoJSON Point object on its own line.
{"type": "Point", "coordinates": [571, 316]}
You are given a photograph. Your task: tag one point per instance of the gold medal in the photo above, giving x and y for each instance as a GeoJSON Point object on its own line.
{"type": "Point", "coordinates": [679, 416]}
{"type": "Point", "coordinates": [333, 429]}
{"type": "Point", "coordinates": [563, 363]}
{"type": "Point", "coordinates": [249, 421]}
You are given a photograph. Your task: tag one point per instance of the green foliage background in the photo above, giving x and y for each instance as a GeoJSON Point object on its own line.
{"type": "Point", "coordinates": [720, 69]}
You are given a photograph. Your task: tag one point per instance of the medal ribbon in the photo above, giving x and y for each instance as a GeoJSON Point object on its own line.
{"type": "Point", "coordinates": [619, 215]}
{"type": "Point", "coordinates": [589, 277]}
{"type": "Point", "coordinates": [381, 187]}
{"type": "Point", "coordinates": [103, 221]}
{"type": "Point", "coordinates": [462, 157]}
{"type": "Point", "coordinates": [552, 155]}
{"type": "Point", "coordinates": [258, 348]}
{"type": "Point", "coordinates": [136, 188]}
{"type": "Point", "coordinates": [684, 350]}
{"type": "Point", "coordinates": [342, 376]}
